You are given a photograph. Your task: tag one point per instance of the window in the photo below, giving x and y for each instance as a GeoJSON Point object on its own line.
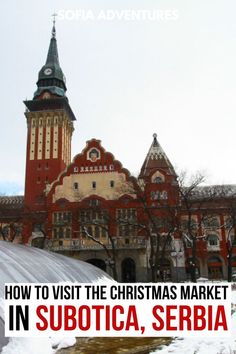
{"type": "Point", "coordinates": [158, 195]}
{"type": "Point", "coordinates": [76, 169]}
{"type": "Point", "coordinates": [87, 216]}
{"type": "Point", "coordinates": [62, 218]}
{"type": "Point", "coordinates": [68, 232]}
{"type": "Point", "coordinates": [104, 233]}
{"type": "Point", "coordinates": [93, 155]}
{"type": "Point", "coordinates": [61, 232]}
{"type": "Point", "coordinates": [95, 222]}
{"type": "Point", "coordinates": [94, 202]}
{"type": "Point", "coordinates": [158, 180]}
{"type": "Point", "coordinates": [94, 185]}
{"type": "Point", "coordinates": [127, 230]}
{"type": "Point", "coordinates": [76, 185]}
{"type": "Point", "coordinates": [126, 220]}
{"type": "Point", "coordinates": [97, 232]}
{"type": "Point", "coordinates": [187, 224]}
{"type": "Point", "coordinates": [164, 195]}
{"type": "Point", "coordinates": [213, 240]}
{"type": "Point", "coordinates": [211, 222]}
{"type": "Point", "coordinates": [112, 184]}
{"type": "Point", "coordinates": [55, 233]}
{"type": "Point", "coordinates": [127, 214]}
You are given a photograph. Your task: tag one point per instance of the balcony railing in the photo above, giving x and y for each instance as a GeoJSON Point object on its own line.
{"type": "Point", "coordinates": [66, 244]}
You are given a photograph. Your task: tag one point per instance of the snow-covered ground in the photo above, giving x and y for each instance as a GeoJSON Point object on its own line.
{"type": "Point", "coordinates": [37, 345]}
{"type": "Point", "coordinates": [204, 346]}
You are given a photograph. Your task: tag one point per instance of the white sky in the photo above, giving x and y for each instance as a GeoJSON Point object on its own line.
{"type": "Point", "coordinates": [127, 80]}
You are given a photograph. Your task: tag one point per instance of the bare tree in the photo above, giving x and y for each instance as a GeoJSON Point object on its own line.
{"type": "Point", "coordinates": [198, 214]}
{"type": "Point", "coordinates": [95, 220]}
{"type": "Point", "coordinates": [11, 210]}
{"type": "Point", "coordinates": [160, 223]}
{"type": "Point", "coordinates": [9, 231]}
{"type": "Point", "coordinates": [38, 222]}
{"type": "Point", "coordinates": [110, 254]}
{"type": "Point", "coordinates": [227, 196]}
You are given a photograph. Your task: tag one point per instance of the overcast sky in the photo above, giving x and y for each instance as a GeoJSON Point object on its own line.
{"type": "Point", "coordinates": [172, 72]}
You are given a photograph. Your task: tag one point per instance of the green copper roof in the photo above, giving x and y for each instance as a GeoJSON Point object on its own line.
{"type": "Point", "coordinates": [52, 57]}
{"type": "Point", "coordinates": [51, 77]}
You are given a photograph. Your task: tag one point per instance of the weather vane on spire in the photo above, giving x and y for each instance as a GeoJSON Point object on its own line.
{"type": "Point", "coordinates": [54, 18]}
{"type": "Point", "coordinates": [54, 22]}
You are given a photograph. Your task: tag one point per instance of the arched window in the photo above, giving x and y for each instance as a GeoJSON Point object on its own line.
{"type": "Point", "coordinates": [158, 177]}
{"type": "Point", "coordinates": [76, 185]}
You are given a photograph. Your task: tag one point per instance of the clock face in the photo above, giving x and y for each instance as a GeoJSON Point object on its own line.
{"type": "Point", "coordinates": [48, 71]}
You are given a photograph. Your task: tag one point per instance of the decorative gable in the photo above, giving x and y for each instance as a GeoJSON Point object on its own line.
{"type": "Point", "coordinates": [93, 172]}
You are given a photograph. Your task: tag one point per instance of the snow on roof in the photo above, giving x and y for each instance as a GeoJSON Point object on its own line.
{"type": "Point", "coordinates": [12, 200]}
{"type": "Point", "coordinates": [214, 191]}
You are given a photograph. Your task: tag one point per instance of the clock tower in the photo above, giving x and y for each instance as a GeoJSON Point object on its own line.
{"type": "Point", "coordinates": [49, 129]}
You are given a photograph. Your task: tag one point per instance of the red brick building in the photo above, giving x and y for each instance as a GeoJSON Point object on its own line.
{"type": "Point", "coordinates": [137, 229]}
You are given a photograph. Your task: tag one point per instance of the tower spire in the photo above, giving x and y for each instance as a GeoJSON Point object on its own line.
{"type": "Point", "coordinates": [53, 57]}
{"type": "Point", "coordinates": [54, 25]}
{"type": "Point", "coordinates": [156, 159]}
{"type": "Point", "coordinates": [51, 77]}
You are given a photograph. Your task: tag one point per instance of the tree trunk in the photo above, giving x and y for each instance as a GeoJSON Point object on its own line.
{"type": "Point", "coordinates": [193, 267]}
{"type": "Point", "coordinates": [230, 265]}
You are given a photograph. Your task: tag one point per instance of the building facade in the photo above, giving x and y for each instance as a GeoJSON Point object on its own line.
{"type": "Point", "coordinates": [137, 229]}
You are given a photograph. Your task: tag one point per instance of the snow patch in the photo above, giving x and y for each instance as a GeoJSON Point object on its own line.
{"type": "Point", "coordinates": [28, 345]}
